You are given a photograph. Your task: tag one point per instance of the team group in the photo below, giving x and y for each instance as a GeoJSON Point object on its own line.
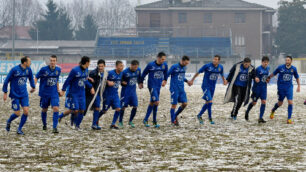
{"type": "Point", "coordinates": [86, 90]}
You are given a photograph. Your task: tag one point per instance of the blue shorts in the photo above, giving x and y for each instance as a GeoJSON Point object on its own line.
{"type": "Point", "coordinates": [285, 92]}
{"type": "Point", "coordinates": [208, 94]}
{"type": "Point", "coordinates": [16, 102]}
{"type": "Point", "coordinates": [75, 103]}
{"type": "Point", "coordinates": [259, 93]}
{"type": "Point", "coordinates": [46, 101]}
{"type": "Point", "coordinates": [111, 101]}
{"type": "Point", "coordinates": [154, 93]}
{"type": "Point", "coordinates": [97, 102]}
{"type": "Point", "coordinates": [178, 96]}
{"type": "Point", "coordinates": [129, 100]}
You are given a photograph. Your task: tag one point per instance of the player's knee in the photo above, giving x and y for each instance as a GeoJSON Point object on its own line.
{"type": "Point", "coordinates": [55, 109]}
{"type": "Point", "coordinates": [118, 109]}
{"type": "Point", "coordinates": [280, 103]}
{"type": "Point", "coordinates": [17, 113]}
{"type": "Point", "coordinates": [156, 103]}
{"type": "Point", "coordinates": [290, 102]}
{"type": "Point", "coordinates": [173, 106]}
{"type": "Point", "coordinates": [184, 105]}
{"type": "Point", "coordinates": [263, 102]}
{"type": "Point", "coordinates": [44, 110]}
{"type": "Point", "coordinates": [97, 109]}
{"type": "Point", "coordinates": [254, 103]}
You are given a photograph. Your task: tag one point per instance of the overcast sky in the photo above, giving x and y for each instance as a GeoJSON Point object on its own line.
{"type": "Point", "coordinates": [269, 3]}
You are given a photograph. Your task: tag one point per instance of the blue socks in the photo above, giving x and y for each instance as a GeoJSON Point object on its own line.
{"type": "Point", "coordinates": [209, 110]}
{"type": "Point", "coordinates": [262, 110]}
{"type": "Point", "coordinates": [44, 118]}
{"type": "Point", "coordinates": [249, 107]}
{"type": "Point", "coordinates": [95, 117]}
{"type": "Point", "coordinates": [133, 114]}
{"type": "Point", "coordinates": [275, 107]}
{"type": "Point", "coordinates": [115, 118]}
{"type": "Point", "coordinates": [55, 119]}
{"type": "Point", "coordinates": [290, 107]}
{"type": "Point", "coordinates": [23, 120]}
{"type": "Point", "coordinates": [121, 115]}
{"type": "Point", "coordinates": [155, 113]}
{"type": "Point", "coordinates": [79, 119]}
{"type": "Point", "coordinates": [180, 109]}
{"type": "Point", "coordinates": [172, 113]}
{"type": "Point", "coordinates": [149, 110]}
{"type": "Point", "coordinates": [203, 110]}
{"type": "Point", "coordinates": [12, 117]}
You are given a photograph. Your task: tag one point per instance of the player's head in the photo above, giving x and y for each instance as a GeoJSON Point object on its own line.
{"type": "Point", "coordinates": [246, 62]}
{"type": "Point", "coordinates": [26, 61]}
{"type": "Point", "coordinates": [265, 61]}
{"type": "Point", "coordinates": [134, 65]}
{"type": "Point", "coordinates": [161, 58]}
{"type": "Point", "coordinates": [185, 61]}
{"type": "Point", "coordinates": [288, 60]}
{"type": "Point", "coordinates": [216, 60]}
{"type": "Point", "coordinates": [119, 66]}
{"type": "Point", "coordinates": [101, 65]}
{"type": "Point", "coordinates": [53, 60]}
{"type": "Point", "coordinates": [85, 62]}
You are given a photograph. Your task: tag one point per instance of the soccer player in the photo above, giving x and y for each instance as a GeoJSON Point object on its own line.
{"type": "Point", "coordinates": [130, 77]}
{"type": "Point", "coordinates": [178, 94]}
{"type": "Point", "coordinates": [96, 78]}
{"type": "Point", "coordinates": [17, 77]}
{"type": "Point", "coordinates": [285, 86]}
{"type": "Point", "coordinates": [110, 95]}
{"type": "Point", "coordinates": [259, 89]}
{"type": "Point", "coordinates": [76, 81]}
{"type": "Point", "coordinates": [49, 91]}
{"type": "Point", "coordinates": [157, 71]}
{"type": "Point", "coordinates": [212, 72]}
{"type": "Point", "coordinates": [240, 79]}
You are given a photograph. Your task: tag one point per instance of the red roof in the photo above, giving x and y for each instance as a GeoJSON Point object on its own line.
{"type": "Point", "coordinates": [22, 32]}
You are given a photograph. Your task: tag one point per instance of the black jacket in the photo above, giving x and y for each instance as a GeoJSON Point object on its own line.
{"type": "Point", "coordinates": [94, 74]}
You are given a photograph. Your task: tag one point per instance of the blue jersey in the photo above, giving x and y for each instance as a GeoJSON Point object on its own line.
{"type": "Point", "coordinates": [243, 76]}
{"type": "Point", "coordinates": [261, 73]}
{"type": "Point", "coordinates": [131, 78]}
{"type": "Point", "coordinates": [17, 77]}
{"type": "Point", "coordinates": [76, 81]}
{"type": "Point", "coordinates": [285, 76]}
{"type": "Point", "coordinates": [211, 75]}
{"type": "Point", "coordinates": [48, 81]}
{"type": "Point", "coordinates": [116, 78]}
{"type": "Point", "coordinates": [177, 73]}
{"type": "Point", "coordinates": [157, 73]}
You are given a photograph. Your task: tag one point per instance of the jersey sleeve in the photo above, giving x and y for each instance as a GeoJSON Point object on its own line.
{"type": "Point", "coordinates": [166, 72]}
{"type": "Point", "coordinates": [222, 71]}
{"type": "Point", "coordinates": [31, 78]}
{"type": "Point", "coordinates": [170, 71]}
{"type": "Point", "coordinates": [144, 73]}
{"type": "Point", "coordinates": [68, 80]}
{"type": "Point", "coordinates": [295, 74]}
{"type": "Point", "coordinates": [203, 68]}
{"type": "Point", "coordinates": [7, 80]}
{"type": "Point", "coordinates": [276, 71]}
{"type": "Point", "coordinates": [38, 75]}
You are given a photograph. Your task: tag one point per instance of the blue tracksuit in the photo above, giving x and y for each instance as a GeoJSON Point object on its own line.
{"type": "Point", "coordinates": [17, 77]}
{"type": "Point", "coordinates": [242, 78]}
{"type": "Point", "coordinates": [76, 81]}
{"type": "Point", "coordinates": [128, 92]}
{"type": "Point", "coordinates": [284, 82]}
{"type": "Point", "coordinates": [48, 90]}
{"type": "Point", "coordinates": [177, 73]}
{"type": "Point", "coordinates": [110, 95]}
{"type": "Point", "coordinates": [210, 79]}
{"type": "Point", "coordinates": [260, 89]}
{"type": "Point", "coordinates": [157, 73]}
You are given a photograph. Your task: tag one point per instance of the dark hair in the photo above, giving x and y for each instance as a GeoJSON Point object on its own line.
{"type": "Point", "coordinates": [161, 54]}
{"type": "Point", "coordinates": [84, 60]}
{"type": "Point", "coordinates": [185, 58]}
{"type": "Point", "coordinates": [247, 60]}
{"type": "Point", "coordinates": [134, 62]}
{"type": "Point", "coordinates": [290, 57]}
{"type": "Point", "coordinates": [218, 56]}
{"type": "Point", "coordinates": [53, 56]}
{"type": "Point", "coordinates": [265, 58]}
{"type": "Point", "coordinates": [101, 61]}
{"type": "Point", "coordinates": [118, 62]}
{"type": "Point", "coordinates": [24, 59]}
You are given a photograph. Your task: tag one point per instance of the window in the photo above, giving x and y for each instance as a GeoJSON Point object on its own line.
{"type": "Point", "coordinates": [155, 19]}
{"type": "Point", "coordinates": [208, 18]}
{"type": "Point", "coordinates": [239, 40]}
{"type": "Point", "coordinates": [239, 18]}
{"type": "Point", "coordinates": [182, 17]}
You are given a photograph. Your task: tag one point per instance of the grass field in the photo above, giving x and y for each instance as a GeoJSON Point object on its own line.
{"type": "Point", "coordinates": [226, 146]}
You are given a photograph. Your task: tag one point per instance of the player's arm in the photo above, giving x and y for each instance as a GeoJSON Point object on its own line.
{"type": "Point", "coordinates": [231, 74]}
{"type": "Point", "coordinates": [276, 71]}
{"type": "Point", "coordinates": [31, 79]}
{"type": "Point", "coordinates": [89, 85]}
{"type": "Point", "coordinates": [297, 77]}
{"type": "Point", "coordinates": [5, 84]}
{"type": "Point", "coordinates": [37, 76]}
{"type": "Point", "coordinates": [68, 81]}
{"type": "Point", "coordinates": [165, 75]}
{"type": "Point", "coordinates": [201, 70]}
{"type": "Point", "coordinates": [223, 78]}
{"type": "Point", "coordinates": [124, 80]}
{"type": "Point", "coordinates": [143, 75]}
{"type": "Point", "coordinates": [110, 83]}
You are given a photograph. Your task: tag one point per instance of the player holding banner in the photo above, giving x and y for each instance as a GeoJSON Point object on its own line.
{"type": "Point", "coordinates": [285, 87]}
{"type": "Point", "coordinates": [157, 71]}
{"type": "Point", "coordinates": [49, 91]}
{"type": "Point", "coordinates": [17, 77]}
{"type": "Point", "coordinates": [178, 94]}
